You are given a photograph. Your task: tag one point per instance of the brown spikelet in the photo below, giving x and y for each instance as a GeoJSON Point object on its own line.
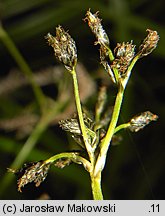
{"type": "Point", "coordinates": [140, 121]}
{"type": "Point", "coordinates": [64, 47]}
{"type": "Point", "coordinates": [96, 27]}
{"type": "Point", "coordinates": [149, 43]}
{"type": "Point", "coordinates": [124, 53]}
{"type": "Point", "coordinates": [31, 172]}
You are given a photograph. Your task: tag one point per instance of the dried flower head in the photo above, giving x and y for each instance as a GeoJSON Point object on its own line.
{"type": "Point", "coordinates": [124, 53]}
{"type": "Point", "coordinates": [140, 121]}
{"type": "Point", "coordinates": [125, 50]}
{"type": "Point", "coordinates": [95, 25]}
{"type": "Point", "coordinates": [32, 172]}
{"type": "Point", "coordinates": [70, 125]}
{"type": "Point", "coordinates": [64, 47]}
{"type": "Point", "coordinates": [149, 43]}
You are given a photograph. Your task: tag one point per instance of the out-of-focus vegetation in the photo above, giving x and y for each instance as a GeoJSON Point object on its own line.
{"type": "Point", "coordinates": [135, 168]}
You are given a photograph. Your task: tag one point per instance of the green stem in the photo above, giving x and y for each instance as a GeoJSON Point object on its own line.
{"type": "Point", "coordinates": [122, 126]}
{"type": "Point", "coordinates": [96, 187]}
{"type": "Point", "coordinates": [129, 70]}
{"type": "Point", "coordinates": [71, 155]}
{"type": "Point", "coordinates": [115, 70]}
{"type": "Point", "coordinates": [80, 115]}
{"type": "Point", "coordinates": [25, 69]}
{"type": "Point", "coordinates": [107, 140]}
{"type": "Point", "coordinates": [100, 163]}
{"type": "Point", "coordinates": [95, 180]}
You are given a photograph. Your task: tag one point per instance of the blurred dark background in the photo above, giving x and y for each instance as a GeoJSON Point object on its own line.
{"type": "Point", "coordinates": [135, 168]}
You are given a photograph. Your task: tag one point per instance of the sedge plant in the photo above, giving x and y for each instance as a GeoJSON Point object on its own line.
{"type": "Point", "coordinates": [93, 134]}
